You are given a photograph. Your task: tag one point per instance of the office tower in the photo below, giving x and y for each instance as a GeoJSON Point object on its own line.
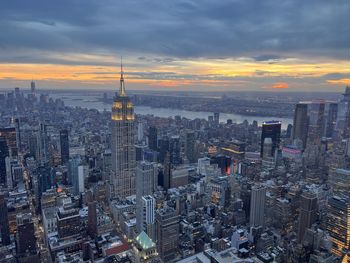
{"type": "Point", "coordinates": [15, 124]}
{"type": "Point", "coordinates": [73, 164]}
{"type": "Point", "coordinates": [140, 149]}
{"type": "Point", "coordinates": [80, 183]}
{"type": "Point", "coordinates": [331, 120]}
{"type": "Point", "coordinates": [153, 138]}
{"type": "Point", "coordinates": [10, 135]}
{"type": "Point", "coordinates": [223, 162]}
{"type": "Point", "coordinates": [339, 181]}
{"type": "Point", "coordinates": [4, 152]}
{"type": "Point", "coordinates": [68, 222]}
{"type": "Point", "coordinates": [33, 145]}
{"type": "Point", "coordinates": [271, 129]}
{"type": "Point", "coordinates": [32, 87]}
{"type": "Point", "coordinates": [42, 154]}
{"type": "Point", "coordinates": [146, 182]}
{"type": "Point", "coordinates": [147, 218]}
{"type": "Point", "coordinates": [267, 148]}
{"type": "Point", "coordinates": [76, 174]}
{"type": "Point", "coordinates": [337, 223]}
{"type": "Point", "coordinates": [167, 225]}
{"type": "Point", "coordinates": [257, 205]}
{"type": "Point", "coordinates": [163, 148]}
{"type": "Point", "coordinates": [4, 221]}
{"type": "Point", "coordinates": [216, 118]}
{"type": "Point", "coordinates": [300, 124]}
{"type": "Point", "coordinates": [174, 150]}
{"type": "Point", "coordinates": [190, 147]}
{"type": "Point", "coordinates": [316, 113]}
{"type": "Point", "coordinates": [123, 149]}
{"type": "Point", "coordinates": [343, 112]}
{"type": "Point", "coordinates": [92, 219]}
{"type": "Point", "coordinates": [14, 172]}
{"type": "Point", "coordinates": [26, 241]}
{"type": "Point", "coordinates": [46, 176]}
{"type": "Point", "coordinates": [308, 213]}
{"type": "Point", "coordinates": [166, 172]}
{"type": "Point", "coordinates": [64, 143]}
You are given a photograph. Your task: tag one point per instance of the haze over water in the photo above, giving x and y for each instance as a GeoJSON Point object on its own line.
{"type": "Point", "coordinates": [92, 102]}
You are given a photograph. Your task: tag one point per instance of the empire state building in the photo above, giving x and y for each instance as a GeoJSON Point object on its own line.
{"type": "Point", "coordinates": [123, 149]}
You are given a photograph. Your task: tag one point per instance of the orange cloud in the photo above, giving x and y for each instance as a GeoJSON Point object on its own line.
{"type": "Point", "coordinates": [339, 81]}
{"type": "Point", "coordinates": [280, 85]}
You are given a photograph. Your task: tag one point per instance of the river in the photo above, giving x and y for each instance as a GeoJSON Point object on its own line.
{"type": "Point", "coordinates": [92, 102]}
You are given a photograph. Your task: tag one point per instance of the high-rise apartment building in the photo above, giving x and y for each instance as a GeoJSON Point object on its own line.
{"type": "Point", "coordinates": [146, 182]}
{"type": "Point", "coordinates": [147, 224]}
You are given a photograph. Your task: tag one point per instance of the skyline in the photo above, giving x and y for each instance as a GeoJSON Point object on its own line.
{"type": "Point", "coordinates": [187, 45]}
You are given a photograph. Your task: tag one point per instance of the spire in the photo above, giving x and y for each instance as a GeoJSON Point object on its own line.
{"type": "Point", "coordinates": [122, 84]}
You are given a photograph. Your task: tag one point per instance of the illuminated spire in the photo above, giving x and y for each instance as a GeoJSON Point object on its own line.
{"type": "Point", "coordinates": [122, 84]}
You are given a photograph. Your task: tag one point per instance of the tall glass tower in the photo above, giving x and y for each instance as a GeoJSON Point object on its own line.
{"type": "Point", "coordinates": [123, 148]}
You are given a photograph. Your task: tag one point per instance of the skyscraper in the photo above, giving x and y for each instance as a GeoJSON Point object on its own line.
{"type": "Point", "coordinates": [163, 148]}
{"type": "Point", "coordinates": [148, 204]}
{"type": "Point", "coordinates": [92, 219]}
{"type": "Point", "coordinates": [332, 112]}
{"type": "Point", "coordinates": [316, 113]}
{"type": "Point", "coordinates": [26, 241]}
{"type": "Point", "coordinates": [174, 149]}
{"type": "Point", "coordinates": [337, 223]}
{"type": "Point", "coordinates": [64, 143]}
{"type": "Point", "coordinates": [123, 149]}
{"type": "Point", "coordinates": [152, 138]}
{"type": "Point", "coordinates": [190, 147]}
{"type": "Point", "coordinates": [271, 129]}
{"type": "Point", "coordinates": [4, 152]}
{"type": "Point", "coordinates": [167, 224]}
{"type": "Point", "coordinates": [146, 182]}
{"type": "Point", "coordinates": [300, 124]}
{"type": "Point", "coordinates": [10, 135]}
{"type": "Point", "coordinates": [308, 213]}
{"type": "Point", "coordinates": [32, 87]}
{"type": "Point", "coordinates": [16, 124]}
{"type": "Point", "coordinates": [4, 222]}
{"type": "Point", "coordinates": [216, 118]}
{"type": "Point", "coordinates": [42, 154]}
{"type": "Point", "coordinates": [257, 205]}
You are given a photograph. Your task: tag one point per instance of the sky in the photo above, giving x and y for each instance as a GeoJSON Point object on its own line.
{"type": "Point", "coordinates": [203, 45]}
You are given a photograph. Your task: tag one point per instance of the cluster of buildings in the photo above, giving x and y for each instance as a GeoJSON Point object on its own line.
{"type": "Point", "coordinates": [79, 185]}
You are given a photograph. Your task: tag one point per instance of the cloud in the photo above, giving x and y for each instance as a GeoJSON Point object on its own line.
{"type": "Point", "coordinates": [267, 58]}
{"type": "Point", "coordinates": [257, 42]}
{"type": "Point", "coordinates": [339, 81]}
{"type": "Point", "coordinates": [280, 85]}
{"type": "Point", "coordinates": [185, 29]}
